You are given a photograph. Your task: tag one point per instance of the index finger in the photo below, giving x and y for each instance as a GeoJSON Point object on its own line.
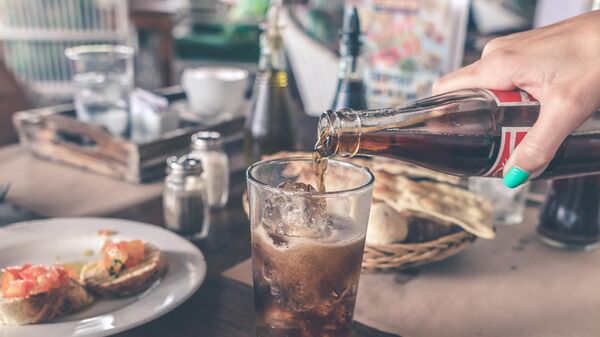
{"type": "Point", "coordinates": [489, 72]}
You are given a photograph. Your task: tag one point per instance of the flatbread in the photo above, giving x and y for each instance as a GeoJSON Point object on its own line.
{"type": "Point", "coordinates": [446, 203]}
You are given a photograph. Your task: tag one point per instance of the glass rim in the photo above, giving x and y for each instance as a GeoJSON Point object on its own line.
{"type": "Point", "coordinates": [75, 53]}
{"type": "Point", "coordinates": [361, 188]}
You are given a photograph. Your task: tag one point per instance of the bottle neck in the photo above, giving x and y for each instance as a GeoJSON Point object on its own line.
{"type": "Point", "coordinates": [332, 126]}
{"type": "Point", "coordinates": [272, 55]}
{"type": "Point", "coordinates": [467, 111]}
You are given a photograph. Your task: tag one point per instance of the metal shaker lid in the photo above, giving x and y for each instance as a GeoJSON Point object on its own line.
{"type": "Point", "coordinates": [205, 140]}
{"type": "Point", "coordinates": [184, 165]}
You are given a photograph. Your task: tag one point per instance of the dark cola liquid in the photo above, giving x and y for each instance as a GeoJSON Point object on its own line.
{"type": "Point", "coordinates": [470, 155]}
{"type": "Point", "coordinates": [570, 217]}
{"type": "Point", "coordinates": [306, 287]}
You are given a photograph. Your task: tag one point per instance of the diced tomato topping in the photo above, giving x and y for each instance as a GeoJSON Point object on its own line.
{"type": "Point", "coordinates": [135, 250]}
{"type": "Point", "coordinates": [30, 280]}
{"type": "Point", "coordinates": [17, 289]}
{"type": "Point", "coordinates": [7, 277]}
{"type": "Point", "coordinates": [121, 255]}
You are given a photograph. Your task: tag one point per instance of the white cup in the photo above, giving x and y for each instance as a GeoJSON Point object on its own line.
{"type": "Point", "coordinates": [214, 91]}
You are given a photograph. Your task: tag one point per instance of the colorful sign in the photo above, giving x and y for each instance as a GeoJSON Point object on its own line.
{"type": "Point", "coordinates": [409, 44]}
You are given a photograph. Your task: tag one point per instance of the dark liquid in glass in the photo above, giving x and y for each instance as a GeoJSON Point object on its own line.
{"type": "Point", "coordinates": [306, 287]}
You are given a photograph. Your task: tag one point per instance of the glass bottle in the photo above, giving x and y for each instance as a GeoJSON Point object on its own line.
{"type": "Point", "coordinates": [207, 146]}
{"type": "Point", "coordinates": [350, 92]}
{"type": "Point", "coordinates": [185, 203]}
{"type": "Point", "coordinates": [268, 128]}
{"type": "Point", "coordinates": [467, 132]}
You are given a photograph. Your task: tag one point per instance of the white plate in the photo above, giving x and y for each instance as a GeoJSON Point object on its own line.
{"type": "Point", "coordinates": [65, 239]}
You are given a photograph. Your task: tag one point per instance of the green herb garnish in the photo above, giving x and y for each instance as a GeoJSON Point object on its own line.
{"type": "Point", "coordinates": [116, 268]}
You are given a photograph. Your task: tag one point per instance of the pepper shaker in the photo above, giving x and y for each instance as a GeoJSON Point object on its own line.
{"type": "Point", "coordinates": [207, 146]}
{"type": "Point", "coordinates": [185, 202]}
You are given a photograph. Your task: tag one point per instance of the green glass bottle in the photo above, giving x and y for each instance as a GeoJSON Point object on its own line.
{"type": "Point", "coordinates": [268, 128]}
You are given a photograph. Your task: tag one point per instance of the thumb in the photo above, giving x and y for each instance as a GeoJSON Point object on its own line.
{"type": "Point", "coordinates": [539, 146]}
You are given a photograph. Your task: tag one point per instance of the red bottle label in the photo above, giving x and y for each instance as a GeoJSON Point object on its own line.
{"type": "Point", "coordinates": [513, 98]}
{"type": "Point", "coordinates": [511, 137]}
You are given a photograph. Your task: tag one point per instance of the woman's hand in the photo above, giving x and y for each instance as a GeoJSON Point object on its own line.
{"type": "Point", "coordinates": [559, 65]}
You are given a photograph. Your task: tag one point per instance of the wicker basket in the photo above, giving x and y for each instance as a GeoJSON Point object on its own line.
{"type": "Point", "coordinates": [399, 256]}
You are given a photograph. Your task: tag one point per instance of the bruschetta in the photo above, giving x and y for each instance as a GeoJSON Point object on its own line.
{"type": "Point", "coordinates": [126, 268]}
{"type": "Point", "coordinates": [33, 294]}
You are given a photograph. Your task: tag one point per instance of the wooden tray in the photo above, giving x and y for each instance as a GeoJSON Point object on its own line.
{"type": "Point", "coordinates": [55, 134]}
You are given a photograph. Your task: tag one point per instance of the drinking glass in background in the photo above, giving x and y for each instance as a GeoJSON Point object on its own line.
{"type": "Point", "coordinates": [307, 247]}
{"type": "Point", "coordinates": [103, 80]}
{"type": "Point", "coordinates": [509, 204]}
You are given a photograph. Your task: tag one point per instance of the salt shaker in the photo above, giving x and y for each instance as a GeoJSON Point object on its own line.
{"type": "Point", "coordinates": [185, 203]}
{"type": "Point", "coordinates": [207, 146]}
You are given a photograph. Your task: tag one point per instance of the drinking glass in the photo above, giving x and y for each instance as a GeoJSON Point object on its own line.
{"type": "Point", "coordinates": [103, 80]}
{"type": "Point", "coordinates": [307, 246]}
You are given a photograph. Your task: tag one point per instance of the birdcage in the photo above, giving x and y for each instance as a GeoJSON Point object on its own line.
{"type": "Point", "coordinates": [35, 33]}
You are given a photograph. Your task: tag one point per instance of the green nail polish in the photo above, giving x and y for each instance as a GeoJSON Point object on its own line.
{"type": "Point", "coordinates": [515, 177]}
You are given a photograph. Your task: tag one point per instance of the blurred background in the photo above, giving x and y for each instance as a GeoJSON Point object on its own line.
{"type": "Point", "coordinates": [152, 110]}
{"type": "Point", "coordinates": [408, 44]}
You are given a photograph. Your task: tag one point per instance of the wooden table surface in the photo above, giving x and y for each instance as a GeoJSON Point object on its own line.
{"type": "Point", "coordinates": [221, 307]}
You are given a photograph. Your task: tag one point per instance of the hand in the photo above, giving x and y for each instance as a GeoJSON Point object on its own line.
{"type": "Point", "coordinates": [559, 65]}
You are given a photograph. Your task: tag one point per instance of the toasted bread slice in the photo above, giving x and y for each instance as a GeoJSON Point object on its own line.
{"type": "Point", "coordinates": [132, 281]}
{"type": "Point", "coordinates": [45, 306]}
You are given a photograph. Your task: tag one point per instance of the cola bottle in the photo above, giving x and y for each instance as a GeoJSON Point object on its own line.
{"type": "Point", "coordinates": [468, 132]}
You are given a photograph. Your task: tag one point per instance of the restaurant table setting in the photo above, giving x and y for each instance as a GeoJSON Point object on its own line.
{"type": "Point", "coordinates": [175, 212]}
{"type": "Point", "coordinates": [507, 286]}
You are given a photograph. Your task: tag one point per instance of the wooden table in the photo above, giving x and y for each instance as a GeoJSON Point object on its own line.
{"type": "Point", "coordinates": [221, 307]}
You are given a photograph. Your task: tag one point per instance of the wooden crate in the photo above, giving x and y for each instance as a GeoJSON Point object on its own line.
{"type": "Point", "coordinates": [55, 134]}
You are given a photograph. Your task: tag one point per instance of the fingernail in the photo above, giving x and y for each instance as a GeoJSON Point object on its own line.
{"type": "Point", "coordinates": [515, 177]}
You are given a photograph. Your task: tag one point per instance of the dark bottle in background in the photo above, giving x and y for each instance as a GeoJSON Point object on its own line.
{"type": "Point", "coordinates": [268, 128]}
{"type": "Point", "coordinates": [350, 92]}
{"type": "Point", "coordinates": [570, 217]}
